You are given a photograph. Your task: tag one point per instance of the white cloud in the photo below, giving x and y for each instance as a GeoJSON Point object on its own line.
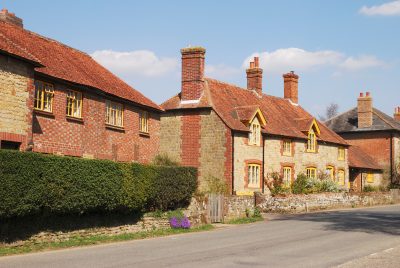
{"type": "Point", "coordinates": [362, 62]}
{"type": "Point", "coordinates": [287, 59]}
{"type": "Point", "coordinates": [139, 62]}
{"type": "Point", "coordinates": [221, 71]}
{"type": "Point", "coordinates": [387, 9]}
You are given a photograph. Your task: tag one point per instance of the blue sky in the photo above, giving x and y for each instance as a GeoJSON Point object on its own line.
{"type": "Point", "coordinates": [339, 48]}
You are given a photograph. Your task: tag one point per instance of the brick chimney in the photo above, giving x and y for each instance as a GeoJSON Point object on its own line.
{"type": "Point", "coordinates": [291, 86]}
{"type": "Point", "coordinates": [397, 114]}
{"type": "Point", "coordinates": [192, 73]}
{"type": "Point", "coordinates": [10, 18]}
{"type": "Point", "coordinates": [254, 76]}
{"type": "Point", "coordinates": [364, 110]}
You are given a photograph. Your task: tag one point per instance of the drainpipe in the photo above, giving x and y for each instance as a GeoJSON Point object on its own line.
{"type": "Point", "coordinates": [391, 158]}
{"type": "Point", "coordinates": [263, 165]}
{"type": "Point", "coordinates": [233, 162]}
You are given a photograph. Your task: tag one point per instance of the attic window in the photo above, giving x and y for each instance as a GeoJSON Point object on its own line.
{"type": "Point", "coordinates": [312, 141]}
{"type": "Point", "coordinates": [255, 133]}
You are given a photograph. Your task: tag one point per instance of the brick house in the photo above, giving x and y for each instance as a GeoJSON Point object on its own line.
{"type": "Point", "coordinates": [56, 99]}
{"type": "Point", "coordinates": [244, 135]}
{"type": "Point", "coordinates": [374, 133]}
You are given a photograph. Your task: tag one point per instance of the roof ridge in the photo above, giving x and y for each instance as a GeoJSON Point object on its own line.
{"type": "Point", "coordinates": [382, 118]}
{"type": "Point", "coordinates": [47, 38]}
{"type": "Point", "coordinates": [339, 115]}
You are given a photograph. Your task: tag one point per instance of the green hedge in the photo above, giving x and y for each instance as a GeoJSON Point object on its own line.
{"type": "Point", "coordinates": [33, 184]}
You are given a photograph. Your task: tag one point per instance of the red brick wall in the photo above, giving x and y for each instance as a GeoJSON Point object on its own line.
{"type": "Point", "coordinates": [376, 144]}
{"type": "Point", "coordinates": [192, 73]}
{"type": "Point", "coordinates": [228, 159]}
{"type": "Point", "coordinates": [90, 137]}
{"type": "Point", "coordinates": [190, 135]}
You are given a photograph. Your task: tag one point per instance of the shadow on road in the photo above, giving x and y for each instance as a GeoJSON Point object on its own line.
{"type": "Point", "coordinates": [368, 221]}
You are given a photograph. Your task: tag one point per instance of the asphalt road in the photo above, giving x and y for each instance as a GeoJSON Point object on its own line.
{"type": "Point", "coordinates": [312, 240]}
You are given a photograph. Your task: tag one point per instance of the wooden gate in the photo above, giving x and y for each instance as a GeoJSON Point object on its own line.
{"type": "Point", "coordinates": [216, 207]}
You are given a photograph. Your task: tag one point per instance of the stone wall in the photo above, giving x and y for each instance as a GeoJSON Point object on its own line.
{"type": "Point", "coordinates": [212, 146]}
{"type": "Point", "coordinates": [315, 202]}
{"type": "Point", "coordinates": [170, 135]}
{"type": "Point", "coordinates": [15, 99]}
{"type": "Point", "coordinates": [237, 206]}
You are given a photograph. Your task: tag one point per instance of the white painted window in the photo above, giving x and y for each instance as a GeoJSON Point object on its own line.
{"type": "Point", "coordinates": [254, 176]}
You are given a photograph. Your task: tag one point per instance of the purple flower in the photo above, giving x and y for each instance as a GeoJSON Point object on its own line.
{"type": "Point", "coordinates": [174, 222]}
{"type": "Point", "coordinates": [185, 223]}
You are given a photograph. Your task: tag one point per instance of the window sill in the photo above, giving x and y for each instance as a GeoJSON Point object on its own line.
{"type": "Point", "coordinates": [117, 128]}
{"type": "Point", "coordinates": [145, 134]}
{"type": "Point", "coordinates": [288, 155]}
{"type": "Point", "coordinates": [44, 113]}
{"type": "Point", "coordinates": [75, 119]}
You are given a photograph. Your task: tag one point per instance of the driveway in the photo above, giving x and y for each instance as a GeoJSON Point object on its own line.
{"type": "Point", "coordinates": [323, 239]}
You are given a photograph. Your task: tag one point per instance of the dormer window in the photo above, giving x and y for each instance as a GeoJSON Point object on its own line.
{"type": "Point", "coordinates": [255, 133]}
{"type": "Point", "coordinates": [312, 141]}
{"type": "Point", "coordinates": [312, 134]}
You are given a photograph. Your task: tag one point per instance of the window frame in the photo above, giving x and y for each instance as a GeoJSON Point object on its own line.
{"type": "Point", "coordinates": [45, 97]}
{"type": "Point", "coordinates": [331, 174]}
{"type": "Point", "coordinates": [309, 172]}
{"type": "Point", "coordinates": [253, 180]}
{"type": "Point", "coordinates": [255, 133]}
{"type": "Point", "coordinates": [80, 101]}
{"type": "Point", "coordinates": [312, 141]}
{"type": "Point", "coordinates": [287, 144]}
{"type": "Point", "coordinates": [370, 177]}
{"type": "Point", "coordinates": [111, 110]}
{"type": "Point", "coordinates": [339, 179]}
{"type": "Point", "coordinates": [144, 122]}
{"type": "Point", "coordinates": [341, 153]}
{"type": "Point", "coordinates": [287, 171]}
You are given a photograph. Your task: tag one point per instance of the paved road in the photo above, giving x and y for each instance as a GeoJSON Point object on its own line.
{"type": "Point", "coordinates": [312, 240]}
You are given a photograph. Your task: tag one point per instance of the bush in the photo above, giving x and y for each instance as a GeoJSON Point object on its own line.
{"type": "Point", "coordinates": [304, 185]}
{"type": "Point", "coordinates": [38, 184]}
{"type": "Point", "coordinates": [370, 188]}
{"type": "Point", "coordinates": [164, 160]}
{"type": "Point", "coordinates": [214, 185]}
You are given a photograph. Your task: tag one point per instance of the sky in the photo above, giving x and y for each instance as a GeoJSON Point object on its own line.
{"type": "Point", "coordinates": [338, 48]}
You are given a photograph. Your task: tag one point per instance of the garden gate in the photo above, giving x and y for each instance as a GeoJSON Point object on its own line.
{"type": "Point", "coordinates": [216, 207]}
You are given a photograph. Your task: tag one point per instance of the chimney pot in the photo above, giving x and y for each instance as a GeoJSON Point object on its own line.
{"type": "Point", "coordinates": [396, 115]}
{"type": "Point", "coordinates": [256, 62]}
{"type": "Point", "coordinates": [251, 65]}
{"type": "Point", "coordinates": [361, 94]}
{"type": "Point", "coordinates": [367, 94]}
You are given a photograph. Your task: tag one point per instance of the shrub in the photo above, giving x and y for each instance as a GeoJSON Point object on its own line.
{"type": "Point", "coordinates": [34, 184]}
{"type": "Point", "coordinates": [304, 185]}
{"type": "Point", "coordinates": [370, 188]}
{"type": "Point", "coordinates": [164, 160]}
{"type": "Point", "coordinates": [328, 185]}
{"type": "Point", "coordinates": [214, 185]}
{"type": "Point", "coordinates": [276, 185]}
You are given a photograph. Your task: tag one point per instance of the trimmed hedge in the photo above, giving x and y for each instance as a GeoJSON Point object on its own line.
{"type": "Point", "coordinates": [38, 184]}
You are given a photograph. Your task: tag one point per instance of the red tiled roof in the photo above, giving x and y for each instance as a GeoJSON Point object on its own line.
{"type": "Point", "coordinates": [359, 159]}
{"type": "Point", "coordinates": [9, 47]}
{"type": "Point", "coordinates": [245, 113]}
{"type": "Point", "coordinates": [281, 115]}
{"type": "Point", "coordinates": [66, 63]}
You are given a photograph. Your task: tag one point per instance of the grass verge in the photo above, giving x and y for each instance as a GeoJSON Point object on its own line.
{"type": "Point", "coordinates": [245, 220]}
{"type": "Point", "coordinates": [78, 241]}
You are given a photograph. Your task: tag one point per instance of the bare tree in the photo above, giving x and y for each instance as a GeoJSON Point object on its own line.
{"type": "Point", "coordinates": [331, 111]}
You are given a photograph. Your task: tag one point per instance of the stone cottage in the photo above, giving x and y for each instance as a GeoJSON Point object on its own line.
{"type": "Point", "coordinates": [56, 99]}
{"type": "Point", "coordinates": [244, 135]}
{"type": "Point", "coordinates": [373, 133]}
